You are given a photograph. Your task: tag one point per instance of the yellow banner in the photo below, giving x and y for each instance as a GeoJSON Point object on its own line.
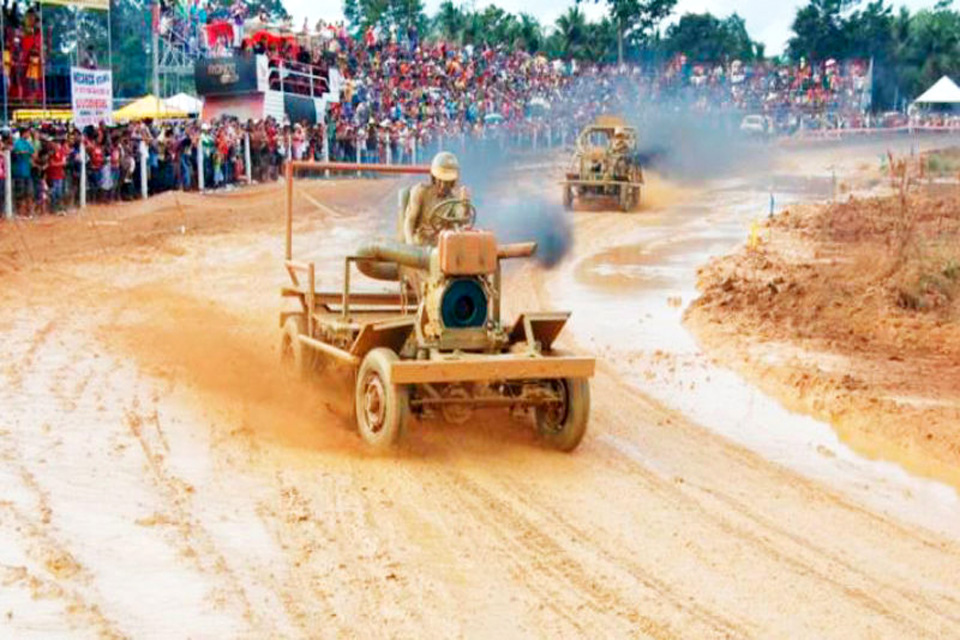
{"type": "Point", "coordinates": [100, 5]}
{"type": "Point", "coordinates": [30, 115]}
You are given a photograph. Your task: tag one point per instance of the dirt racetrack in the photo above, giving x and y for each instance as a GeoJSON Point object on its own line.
{"type": "Point", "coordinates": [162, 479]}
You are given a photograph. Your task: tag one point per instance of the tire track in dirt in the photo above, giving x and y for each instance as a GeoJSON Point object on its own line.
{"type": "Point", "coordinates": [63, 578]}
{"type": "Point", "coordinates": [743, 522]}
{"type": "Point", "coordinates": [718, 623]}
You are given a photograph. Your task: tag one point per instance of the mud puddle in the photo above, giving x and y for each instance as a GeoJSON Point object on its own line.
{"type": "Point", "coordinates": [637, 292]}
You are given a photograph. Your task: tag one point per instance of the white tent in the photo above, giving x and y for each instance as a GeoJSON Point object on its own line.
{"type": "Point", "coordinates": [945, 91]}
{"type": "Point", "coordinates": [185, 103]}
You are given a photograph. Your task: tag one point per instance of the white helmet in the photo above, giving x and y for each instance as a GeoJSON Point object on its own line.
{"type": "Point", "coordinates": [445, 167]}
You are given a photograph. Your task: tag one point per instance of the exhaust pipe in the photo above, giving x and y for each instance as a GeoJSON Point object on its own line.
{"type": "Point", "coordinates": [382, 260]}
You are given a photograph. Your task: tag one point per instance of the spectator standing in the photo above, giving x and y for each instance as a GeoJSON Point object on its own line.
{"type": "Point", "coordinates": [56, 174]}
{"type": "Point", "coordinates": [238, 16]}
{"type": "Point", "coordinates": [22, 153]}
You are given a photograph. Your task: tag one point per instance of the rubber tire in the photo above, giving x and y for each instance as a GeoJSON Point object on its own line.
{"type": "Point", "coordinates": [568, 198]}
{"type": "Point", "coordinates": [568, 437]}
{"type": "Point", "coordinates": [300, 363]}
{"type": "Point", "coordinates": [396, 401]}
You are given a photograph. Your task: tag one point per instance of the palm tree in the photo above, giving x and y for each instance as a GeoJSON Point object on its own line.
{"type": "Point", "coordinates": [529, 33]}
{"type": "Point", "coordinates": [450, 22]}
{"type": "Point", "coordinates": [572, 31]}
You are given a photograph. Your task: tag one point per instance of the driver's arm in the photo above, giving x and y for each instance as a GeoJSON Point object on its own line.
{"type": "Point", "coordinates": [412, 215]}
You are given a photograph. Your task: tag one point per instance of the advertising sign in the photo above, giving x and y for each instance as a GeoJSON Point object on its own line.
{"type": "Point", "coordinates": [92, 96]}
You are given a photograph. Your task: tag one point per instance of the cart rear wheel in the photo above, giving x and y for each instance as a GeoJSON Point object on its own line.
{"type": "Point", "coordinates": [562, 425]}
{"type": "Point", "coordinates": [294, 357]}
{"type": "Point", "coordinates": [382, 407]}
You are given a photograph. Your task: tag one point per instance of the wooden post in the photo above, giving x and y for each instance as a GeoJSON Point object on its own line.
{"type": "Point", "coordinates": [359, 159]}
{"type": "Point", "coordinates": [200, 177]}
{"type": "Point", "coordinates": [289, 177]}
{"type": "Point", "coordinates": [326, 150]}
{"type": "Point", "coordinates": [7, 187]}
{"type": "Point", "coordinates": [83, 175]}
{"type": "Point", "coordinates": [247, 165]}
{"type": "Point", "coordinates": [144, 183]}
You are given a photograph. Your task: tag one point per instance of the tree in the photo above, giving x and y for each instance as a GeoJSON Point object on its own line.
{"type": "Point", "coordinates": [449, 22]}
{"type": "Point", "coordinates": [400, 14]}
{"type": "Point", "coordinates": [932, 48]}
{"type": "Point", "coordinates": [636, 19]}
{"type": "Point", "coordinates": [571, 32]}
{"type": "Point", "coordinates": [819, 31]}
{"type": "Point", "coordinates": [704, 37]}
{"type": "Point", "coordinates": [528, 34]}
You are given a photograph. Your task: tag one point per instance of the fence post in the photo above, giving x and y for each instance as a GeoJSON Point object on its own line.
{"type": "Point", "coordinates": [200, 177]}
{"type": "Point", "coordinates": [440, 142]}
{"type": "Point", "coordinates": [359, 158]}
{"type": "Point", "coordinates": [247, 165]}
{"type": "Point", "coordinates": [83, 176]}
{"type": "Point", "coordinates": [326, 151]}
{"type": "Point", "coordinates": [536, 136]}
{"type": "Point", "coordinates": [549, 137]}
{"type": "Point", "coordinates": [389, 152]}
{"type": "Point", "coordinates": [414, 153]}
{"type": "Point", "coordinates": [7, 187]}
{"type": "Point", "coordinates": [144, 183]}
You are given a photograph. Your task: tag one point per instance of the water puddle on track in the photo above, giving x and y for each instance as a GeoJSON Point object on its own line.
{"type": "Point", "coordinates": [629, 302]}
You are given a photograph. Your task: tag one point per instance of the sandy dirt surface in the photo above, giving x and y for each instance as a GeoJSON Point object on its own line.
{"type": "Point", "coordinates": [162, 478]}
{"type": "Point", "coordinates": [848, 311]}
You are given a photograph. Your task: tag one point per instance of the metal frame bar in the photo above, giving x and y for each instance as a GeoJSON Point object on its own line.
{"type": "Point", "coordinates": [339, 354]}
{"type": "Point", "coordinates": [600, 183]}
{"type": "Point", "coordinates": [492, 367]}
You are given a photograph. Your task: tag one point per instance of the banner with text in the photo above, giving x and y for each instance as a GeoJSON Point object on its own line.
{"type": "Point", "coordinates": [99, 5]}
{"type": "Point", "coordinates": [92, 96]}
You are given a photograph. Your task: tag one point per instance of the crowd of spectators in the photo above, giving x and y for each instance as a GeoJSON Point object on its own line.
{"type": "Point", "coordinates": [22, 53]}
{"type": "Point", "coordinates": [400, 99]}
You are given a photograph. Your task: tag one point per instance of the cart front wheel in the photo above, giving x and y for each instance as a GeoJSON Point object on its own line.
{"type": "Point", "coordinates": [382, 407]}
{"type": "Point", "coordinates": [563, 424]}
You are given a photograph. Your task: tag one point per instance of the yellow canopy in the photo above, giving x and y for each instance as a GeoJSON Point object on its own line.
{"type": "Point", "coordinates": [148, 107]}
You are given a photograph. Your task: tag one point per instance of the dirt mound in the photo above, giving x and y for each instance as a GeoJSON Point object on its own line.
{"type": "Point", "coordinates": [850, 312]}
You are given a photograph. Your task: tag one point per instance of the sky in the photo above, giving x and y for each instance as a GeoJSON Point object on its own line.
{"type": "Point", "coordinates": [767, 20]}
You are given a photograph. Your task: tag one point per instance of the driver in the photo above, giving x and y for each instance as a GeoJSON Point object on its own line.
{"type": "Point", "coordinates": [418, 224]}
{"type": "Point", "coordinates": [621, 142]}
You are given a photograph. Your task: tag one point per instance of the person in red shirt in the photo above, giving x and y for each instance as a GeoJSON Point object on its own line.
{"type": "Point", "coordinates": [56, 167]}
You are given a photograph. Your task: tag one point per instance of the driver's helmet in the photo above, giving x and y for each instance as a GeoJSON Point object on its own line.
{"type": "Point", "coordinates": [445, 167]}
